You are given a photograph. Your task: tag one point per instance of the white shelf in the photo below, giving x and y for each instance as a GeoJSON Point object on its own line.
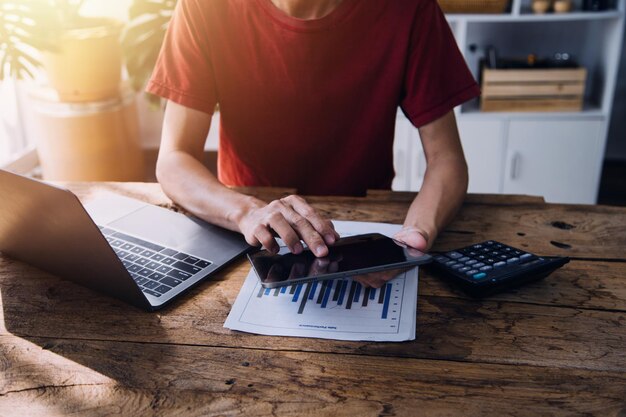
{"type": "Point", "coordinates": [472, 111]}
{"type": "Point", "coordinates": [528, 16]}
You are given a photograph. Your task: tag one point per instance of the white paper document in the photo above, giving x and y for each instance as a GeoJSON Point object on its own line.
{"type": "Point", "coordinates": [341, 309]}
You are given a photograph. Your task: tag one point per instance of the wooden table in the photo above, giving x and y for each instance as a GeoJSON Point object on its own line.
{"type": "Point", "coordinates": [555, 347]}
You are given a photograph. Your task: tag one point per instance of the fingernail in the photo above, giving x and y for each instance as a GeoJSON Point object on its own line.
{"type": "Point", "coordinates": [330, 239]}
{"type": "Point", "coordinates": [320, 250]}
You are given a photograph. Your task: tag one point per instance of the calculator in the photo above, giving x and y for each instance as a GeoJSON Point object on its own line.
{"type": "Point", "coordinates": [486, 268]}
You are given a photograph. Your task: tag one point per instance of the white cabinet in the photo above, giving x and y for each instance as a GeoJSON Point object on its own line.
{"type": "Point", "coordinates": [483, 144]}
{"type": "Point", "coordinates": [409, 159]}
{"type": "Point", "coordinates": [556, 155]}
{"type": "Point", "coordinates": [559, 160]}
{"type": "Point", "coordinates": [401, 154]}
{"type": "Point", "coordinates": [484, 148]}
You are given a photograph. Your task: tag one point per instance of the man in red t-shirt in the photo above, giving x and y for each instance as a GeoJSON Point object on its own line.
{"type": "Point", "coordinates": [308, 92]}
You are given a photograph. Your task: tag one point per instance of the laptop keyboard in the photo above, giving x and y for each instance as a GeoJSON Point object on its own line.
{"type": "Point", "coordinates": [156, 269]}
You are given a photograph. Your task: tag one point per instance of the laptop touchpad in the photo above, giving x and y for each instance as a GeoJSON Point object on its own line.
{"type": "Point", "coordinates": [155, 224]}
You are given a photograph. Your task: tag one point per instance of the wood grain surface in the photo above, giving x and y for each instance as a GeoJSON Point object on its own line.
{"type": "Point", "coordinates": [554, 347]}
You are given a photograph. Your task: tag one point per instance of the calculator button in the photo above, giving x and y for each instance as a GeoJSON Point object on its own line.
{"type": "Point", "coordinates": [440, 259]}
{"type": "Point", "coordinates": [479, 246]}
{"type": "Point", "coordinates": [471, 272]}
{"type": "Point", "coordinates": [499, 264]}
{"type": "Point", "coordinates": [454, 255]}
{"type": "Point", "coordinates": [464, 269]}
{"type": "Point", "coordinates": [486, 268]}
{"type": "Point", "coordinates": [450, 263]}
{"type": "Point", "coordinates": [472, 253]}
{"type": "Point", "coordinates": [489, 242]}
{"type": "Point", "coordinates": [479, 275]}
{"type": "Point", "coordinates": [478, 265]}
{"type": "Point", "coordinates": [463, 259]}
{"type": "Point", "coordinates": [456, 266]}
{"type": "Point", "coordinates": [512, 261]}
{"type": "Point", "coordinates": [489, 261]}
{"type": "Point", "coordinates": [471, 262]}
{"type": "Point", "coordinates": [526, 256]}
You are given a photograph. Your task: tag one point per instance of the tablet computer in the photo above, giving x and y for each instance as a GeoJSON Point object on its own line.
{"type": "Point", "coordinates": [350, 256]}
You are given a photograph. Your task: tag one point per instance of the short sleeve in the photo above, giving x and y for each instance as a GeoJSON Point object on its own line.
{"type": "Point", "coordinates": [437, 78]}
{"type": "Point", "coordinates": [184, 71]}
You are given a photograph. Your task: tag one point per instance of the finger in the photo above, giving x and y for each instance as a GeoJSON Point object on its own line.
{"type": "Point", "coordinates": [284, 230]}
{"type": "Point", "coordinates": [323, 226]}
{"type": "Point", "coordinates": [266, 239]}
{"type": "Point", "coordinates": [307, 232]}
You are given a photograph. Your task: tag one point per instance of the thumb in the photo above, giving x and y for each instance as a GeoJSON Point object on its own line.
{"type": "Point", "coordinates": [413, 237]}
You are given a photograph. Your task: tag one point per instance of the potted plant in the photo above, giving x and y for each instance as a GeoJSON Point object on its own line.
{"type": "Point", "coordinates": [142, 39]}
{"type": "Point", "coordinates": [22, 38]}
{"type": "Point", "coordinates": [87, 129]}
{"type": "Point", "coordinates": [81, 55]}
{"type": "Point", "coordinates": [86, 64]}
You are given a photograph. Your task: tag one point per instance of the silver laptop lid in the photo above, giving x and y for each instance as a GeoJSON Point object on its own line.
{"type": "Point", "coordinates": [47, 227]}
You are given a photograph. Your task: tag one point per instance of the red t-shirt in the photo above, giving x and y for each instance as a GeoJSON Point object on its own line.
{"type": "Point", "coordinates": [311, 104]}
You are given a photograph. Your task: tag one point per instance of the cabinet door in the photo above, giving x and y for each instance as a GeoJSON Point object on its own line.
{"type": "Point", "coordinates": [401, 154]}
{"type": "Point", "coordinates": [483, 144]}
{"type": "Point", "coordinates": [484, 147]}
{"type": "Point", "coordinates": [559, 160]}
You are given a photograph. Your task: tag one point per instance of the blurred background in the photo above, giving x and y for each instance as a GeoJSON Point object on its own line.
{"type": "Point", "coordinates": [550, 122]}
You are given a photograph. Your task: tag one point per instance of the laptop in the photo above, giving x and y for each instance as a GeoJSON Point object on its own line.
{"type": "Point", "coordinates": [128, 249]}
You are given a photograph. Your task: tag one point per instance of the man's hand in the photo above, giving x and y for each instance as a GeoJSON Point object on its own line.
{"type": "Point", "coordinates": [413, 237]}
{"type": "Point", "coordinates": [292, 219]}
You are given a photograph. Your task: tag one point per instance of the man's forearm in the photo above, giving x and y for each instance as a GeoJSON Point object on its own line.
{"type": "Point", "coordinates": [442, 193]}
{"type": "Point", "coordinates": [189, 183]}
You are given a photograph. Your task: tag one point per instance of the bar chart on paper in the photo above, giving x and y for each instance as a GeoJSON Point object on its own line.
{"type": "Point", "coordinates": [335, 309]}
{"type": "Point", "coordinates": [343, 305]}
{"type": "Point", "coordinates": [341, 309]}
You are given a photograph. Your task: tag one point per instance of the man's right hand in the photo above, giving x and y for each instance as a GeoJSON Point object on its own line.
{"type": "Point", "coordinates": [293, 220]}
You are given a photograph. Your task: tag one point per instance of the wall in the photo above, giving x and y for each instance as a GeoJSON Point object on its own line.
{"type": "Point", "coordinates": [616, 144]}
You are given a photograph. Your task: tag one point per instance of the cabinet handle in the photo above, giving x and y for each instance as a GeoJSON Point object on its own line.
{"type": "Point", "coordinates": [516, 160]}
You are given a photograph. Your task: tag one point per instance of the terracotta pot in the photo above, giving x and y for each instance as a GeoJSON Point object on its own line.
{"type": "Point", "coordinates": [88, 63]}
{"type": "Point", "coordinates": [96, 141]}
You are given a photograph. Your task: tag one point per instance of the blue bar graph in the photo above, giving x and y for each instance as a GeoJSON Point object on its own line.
{"type": "Point", "coordinates": [333, 293]}
{"type": "Point", "coordinates": [312, 292]}
{"type": "Point", "coordinates": [327, 294]}
{"type": "Point", "coordinates": [344, 285]}
{"type": "Point", "coordinates": [357, 293]}
{"type": "Point", "coordinates": [386, 303]}
{"type": "Point", "coordinates": [297, 294]}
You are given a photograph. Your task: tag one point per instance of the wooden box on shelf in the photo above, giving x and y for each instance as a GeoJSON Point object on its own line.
{"type": "Point", "coordinates": [560, 89]}
{"type": "Point", "coordinates": [474, 6]}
